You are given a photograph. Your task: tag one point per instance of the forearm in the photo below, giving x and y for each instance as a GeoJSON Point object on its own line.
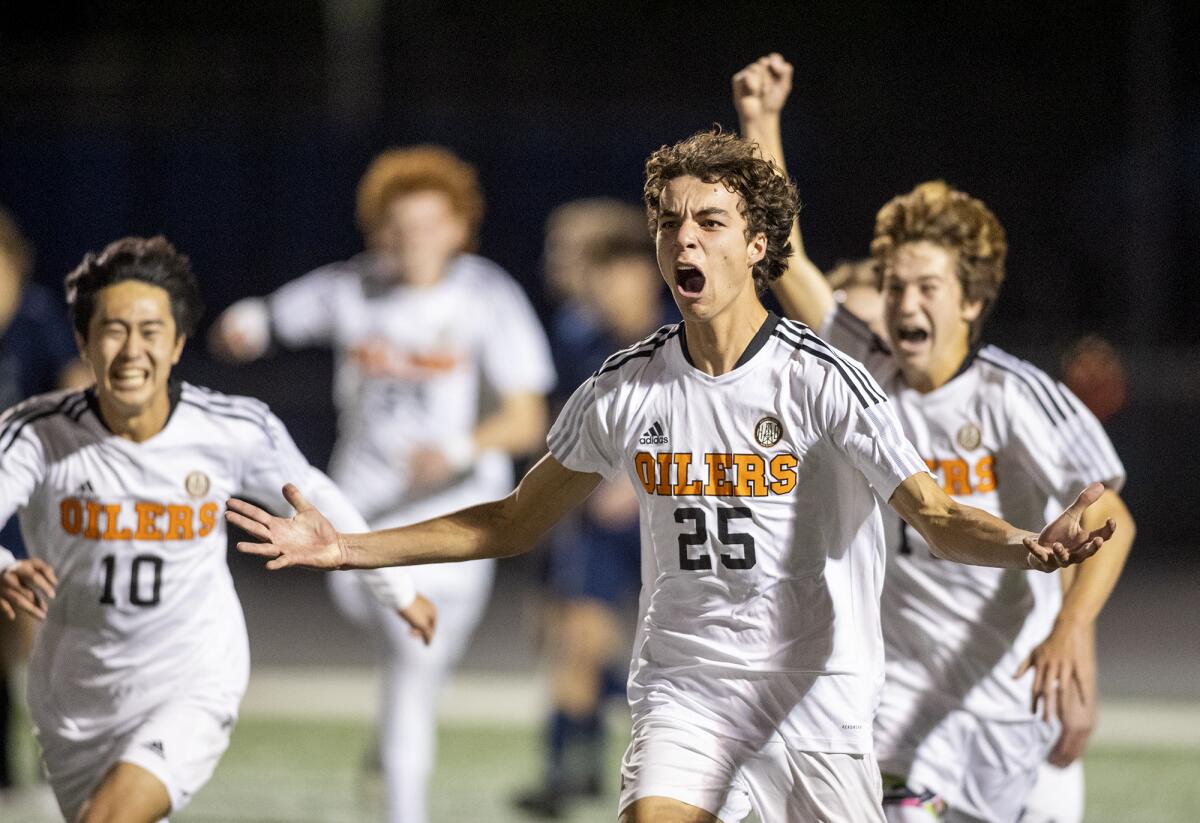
{"type": "Point", "coordinates": [803, 292]}
{"type": "Point", "coordinates": [965, 534]}
{"type": "Point", "coordinates": [957, 532]}
{"type": "Point", "coordinates": [476, 533]}
{"type": "Point", "coordinates": [1094, 581]}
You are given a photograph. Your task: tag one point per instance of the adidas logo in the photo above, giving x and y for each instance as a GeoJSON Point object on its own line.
{"type": "Point", "coordinates": [156, 746]}
{"type": "Point", "coordinates": [654, 436]}
{"type": "Point", "coordinates": [86, 488]}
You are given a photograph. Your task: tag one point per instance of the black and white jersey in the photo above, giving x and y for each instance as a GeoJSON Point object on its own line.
{"type": "Point", "coordinates": [762, 536]}
{"type": "Point", "coordinates": [1006, 438]}
{"type": "Point", "coordinates": [136, 534]}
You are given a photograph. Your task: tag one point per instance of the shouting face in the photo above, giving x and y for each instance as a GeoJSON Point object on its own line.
{"type": "Point", "coordinates": [703, 252]}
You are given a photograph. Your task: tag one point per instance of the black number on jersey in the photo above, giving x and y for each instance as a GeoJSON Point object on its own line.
{"type": "Point", "coordinates": [138, 585]}
{"type": "Point", "coordinates": [699, 536]}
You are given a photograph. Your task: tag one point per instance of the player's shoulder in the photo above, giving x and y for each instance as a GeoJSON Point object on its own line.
{"type": "Point", "coordinates": [814, 361]}
{"type": "Point", "coordinates": [624, 365]}
{"type": "Point", "coordinates": [227, 411]}
{"type": "Point", "coordinates": [41, 413]}
{"type": "Point", "coordinates": [1025, 383]}
{"type": "Point", "coordinates": [480, 272]}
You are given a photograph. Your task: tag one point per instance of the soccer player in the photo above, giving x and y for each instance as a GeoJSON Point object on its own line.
{"type": "Point", "coordinates": [142, 658]}
{"type": "Point", "coordinates": [760, 455]}
{"type": "Point", "coordinates": [441, 373]}
{"type": "Point", "coordinates": [955, 728]}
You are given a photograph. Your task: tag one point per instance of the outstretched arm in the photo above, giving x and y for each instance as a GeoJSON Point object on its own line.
{"type": "Point", "coordinates": [965, 534]}
{"type": "Point", "coordinates": [759, 93]}
{"type": "Point", "coordinates": [499, 529]}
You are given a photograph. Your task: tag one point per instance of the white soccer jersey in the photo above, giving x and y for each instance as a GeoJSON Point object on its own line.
{"type": "Point", "coordinates": [1003, 437]}
{"type": "Point", "coordinates": [762, 538]}
{"type": "Point", "coordinates": [410, 364]}
{"type": "Point", "coordinates": [145, 608]}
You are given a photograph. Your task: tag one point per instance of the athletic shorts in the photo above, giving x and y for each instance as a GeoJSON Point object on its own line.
{"type": "Point", "coordinates": [982, 768]}
{"type": "Point", "coordinates": [179, 743]}
{"type": "Point", "coordinates": [1058, 796]}
{"type": "Point", "coordinates": [730, 778]}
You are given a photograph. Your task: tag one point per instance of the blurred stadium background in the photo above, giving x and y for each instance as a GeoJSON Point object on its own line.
{"type": "Point", "coordinates": [240, 130]}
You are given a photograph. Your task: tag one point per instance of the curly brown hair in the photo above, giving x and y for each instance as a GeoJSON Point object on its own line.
{"type": "Point", "coordinates": [942, 214]}
{"type": "Point", "coordinates": [420, 168]}
{"type": "Point", "coordinates": [768, 199]}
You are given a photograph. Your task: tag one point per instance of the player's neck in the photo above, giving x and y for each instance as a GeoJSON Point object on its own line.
{"type": "Point", "coordinates": [140, 425]}
{"type": "Point", "coordinates": [714, 346]}
{"type": "Point", "coordinates": [940, 371]}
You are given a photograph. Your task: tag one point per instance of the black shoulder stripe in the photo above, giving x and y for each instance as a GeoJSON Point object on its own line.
{"type": "Point", "coordinates": [829, 358]}
{"type": "Point", "coordinates": [18, 423]}
{"type": "Point", "coordinates": [1027, 382]}
{"type": "Point", "coordinates": [217, 404]}
{"type": "Point", "coordinates": [230, 414]}
{"type": "Point", "coordinates": [646, 351]}
{"type": "Point", "coordinates": [851, 371]}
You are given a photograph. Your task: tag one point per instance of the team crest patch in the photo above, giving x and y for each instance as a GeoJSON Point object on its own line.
{"type": "Point", "coordinates": [969, 437]}
{"type": "Point", "coordinates": [768, 431]}
{"type": "Point", "coordinates": [197, 484]}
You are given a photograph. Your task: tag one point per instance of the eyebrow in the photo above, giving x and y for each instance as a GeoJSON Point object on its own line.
{"type": "Point", "coordinates": [711, 210]}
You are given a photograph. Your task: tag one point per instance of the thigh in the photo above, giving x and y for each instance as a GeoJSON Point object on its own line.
{"type": "Point", "coordinates": [692, 767]}
{"type": "Point", "coordinates": [788, 784]}
{"type": "Point", "coordinates": [180, 744]}
{"type": "Point", "coordinates": [128, 794]}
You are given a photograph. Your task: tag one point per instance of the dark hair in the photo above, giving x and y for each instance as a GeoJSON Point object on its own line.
{"type": "Point", "coordinates": [154, 261]}
{"type": "Point", "coordinates": [769, 201]}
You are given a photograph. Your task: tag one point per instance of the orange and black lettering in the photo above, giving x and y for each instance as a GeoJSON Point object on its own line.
{"type": "Point", "coordinates": [751, 475]}
{"type": "Point", "coordinates": [644, 463]}
{"type": "Point", "coordinates": [985, 474]}
{"type": "Point", "coordinates": [112, 519]}
{"type": "Point", "coordinates": [147, 513]}
{"type": "Point", "coordinates": [683, 462]}
{"type": "Point", "coordinates": [208, 518]}
{"type": "Point", "coordinates": [783, 469]}
{"type": "Point", "coordinates": [179, 522]}
{"type": "Point", "coordinates": [718, 484]}
{"type": "Point", "coordinates": [71, 515]}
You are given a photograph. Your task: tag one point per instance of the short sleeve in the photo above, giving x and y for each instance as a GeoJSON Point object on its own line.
{"type": "Point", "coordinates": [22, 460]}
{"type": "Point", "coordinates": [302, 311]}
{"type": "Point", "coordinates": [1057, 440]}
{"type": "Point", "coordinates": [580, 438]}
{"type": "Point", "coordinates": [861, 424]}
{"type": "Point", "coordinates": [516, 355]}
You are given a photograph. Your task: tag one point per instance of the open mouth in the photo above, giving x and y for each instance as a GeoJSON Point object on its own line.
{"type": "Point", "coordinates": [128, 378]}
{"type": "Point", "coordinates": [689, 280]}
{"type": "Point", "coordinates": [911, 337]}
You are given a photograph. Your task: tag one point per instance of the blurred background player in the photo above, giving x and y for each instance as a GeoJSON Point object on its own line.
{"type": "Point", "coordinates": [954, 726]}
{"type": "Point", "coordinates": [855, 285]}
{"type": "Point", "coordinates": [599, 257]}
{"type": "Point", "coordinates": [37, 355]}
{"type": "Point", "coordinates": [140, 665]}
{"type": "Point", "coordinates": [441, 374]}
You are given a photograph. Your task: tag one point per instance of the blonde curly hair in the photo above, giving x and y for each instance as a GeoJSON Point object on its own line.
{"type": "Point", "coordinates": [942, 214]}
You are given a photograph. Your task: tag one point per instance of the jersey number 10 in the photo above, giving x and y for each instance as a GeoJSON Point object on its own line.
{"type": "Point", "coordinates": [699, 537]}
{"type": "Point", "coordinates": [142, 591]}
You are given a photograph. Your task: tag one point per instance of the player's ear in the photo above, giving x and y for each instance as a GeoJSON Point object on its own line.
{"type": "Point", "coordinates": [756, 250]}
{"type": "Point", "coordinates": [81, 344]}
{"type": "Point", "coordinates": [177, 352]}
{"type": "Point", "coordinates": [971, 309]}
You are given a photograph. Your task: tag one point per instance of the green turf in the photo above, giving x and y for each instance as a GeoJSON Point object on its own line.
{"type": "Point", "coordinates": [310, 772]}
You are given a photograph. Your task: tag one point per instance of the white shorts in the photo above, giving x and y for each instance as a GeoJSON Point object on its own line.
{"type": "Point", "coordinates": [1058, 796]}
{"type": "Point", "coordinates": [729, 778]}
{"type": "Point", "coordinates": [180, 743]}
{"type": "Point", "coordinates": [982, 768]}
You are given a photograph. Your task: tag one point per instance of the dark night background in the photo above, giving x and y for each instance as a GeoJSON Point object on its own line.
{"type": "Point", "coordinates": [240, 131]}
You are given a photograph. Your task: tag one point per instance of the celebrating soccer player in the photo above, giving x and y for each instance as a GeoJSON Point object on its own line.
{"type": "Point", "coordinates": [142, 658]}
{"type": "Point", "coordinates": [759, 455]}
{"type": "Point", "coordinates": [954, 727]}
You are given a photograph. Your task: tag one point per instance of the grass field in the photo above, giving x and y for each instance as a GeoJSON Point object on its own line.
{"type": "Point", "coordinates": [308, 771]}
